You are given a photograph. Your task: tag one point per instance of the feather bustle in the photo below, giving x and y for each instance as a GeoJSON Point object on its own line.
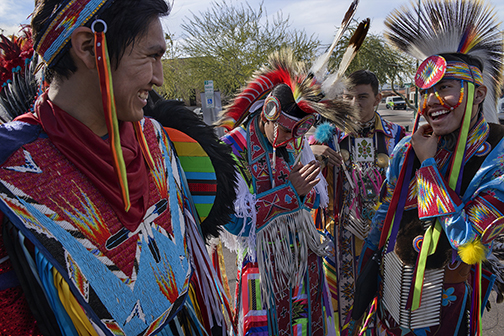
{"type": "Point", "coordinates": [174, 114]}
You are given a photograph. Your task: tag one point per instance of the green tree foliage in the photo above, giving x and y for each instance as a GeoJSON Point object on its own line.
{"type": "Point", "coordinates": [178, 80]}
{"type": "Point", "coordinates": [228, 42]}
{"type": "Point", "coordinates": [389, 65]}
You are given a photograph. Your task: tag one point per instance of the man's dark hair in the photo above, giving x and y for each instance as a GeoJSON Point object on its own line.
{"type": "Point", "coordinates": [361, 77]}
{"type": "Point", "coordinates": [126, 20]}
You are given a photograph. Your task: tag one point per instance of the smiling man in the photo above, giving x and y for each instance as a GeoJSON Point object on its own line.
{"type": "Point", "coordinates": [99, 232]}
{"type": "Point", "coordinates": [443, 201]}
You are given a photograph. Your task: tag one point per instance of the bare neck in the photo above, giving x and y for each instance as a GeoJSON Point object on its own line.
{"type": "Point", "coordinates": [80, 97]}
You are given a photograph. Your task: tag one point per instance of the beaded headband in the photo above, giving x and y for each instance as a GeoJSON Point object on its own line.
{"type": "Point", "coordinates": [62, 23]}
{"type": "Point", "coordinates": [463, 71]}
{"type": "Point", "coordinates": [287, 121]}
{"type": "Point", "coordinates": [435, 68]}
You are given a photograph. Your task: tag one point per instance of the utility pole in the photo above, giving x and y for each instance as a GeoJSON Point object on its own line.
{"type": "Point", "coordinates": [416, 88]}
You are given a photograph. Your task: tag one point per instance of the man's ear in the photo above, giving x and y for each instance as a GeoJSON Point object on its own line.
{"type": "Point", "coordinates": [480, 94]}
{"type": "Point", "coordinates": [83, 46]}
{"type": "Point", "coordinates": [378, 98]}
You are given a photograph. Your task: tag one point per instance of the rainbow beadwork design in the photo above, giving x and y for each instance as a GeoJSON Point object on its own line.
{"type": "Point", "coordinates": [461, 70]}
{"type": "Point", "coordinates": [430, 72]}
{"type": "Point", "coordinates": [435, 68]}
{"type": "Point", "coordinates": [62, 24]}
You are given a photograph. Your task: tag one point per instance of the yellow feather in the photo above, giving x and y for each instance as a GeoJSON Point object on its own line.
{"type": "Point", "coordinates": [472, 252]}
{"type": "Point", "coordinates": [296, 93]}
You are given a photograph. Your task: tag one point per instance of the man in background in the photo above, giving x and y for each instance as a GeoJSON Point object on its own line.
{"type": "Point", "coordinates": [355, 166]}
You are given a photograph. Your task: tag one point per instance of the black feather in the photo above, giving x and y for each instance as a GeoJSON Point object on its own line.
{"type": "Point", "coordinates": [17, 98]}
{"type": "Point", "coordinates": [172, 113]}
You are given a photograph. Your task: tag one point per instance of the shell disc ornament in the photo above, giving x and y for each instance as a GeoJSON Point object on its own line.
{"type": "Point", "coordinates": [417, 243]}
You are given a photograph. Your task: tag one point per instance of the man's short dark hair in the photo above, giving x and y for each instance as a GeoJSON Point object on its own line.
{"type": "Point", "coordinates": [127, 20]}
{"type": "Point", "coordinates": [361, 77]}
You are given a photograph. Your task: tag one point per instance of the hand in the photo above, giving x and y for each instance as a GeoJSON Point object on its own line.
{"type": "Point", "coordinates": [304, 178]}
{"type": "Point", "coordinates": [424, 142]}
{"type": "Point", "coordinates": [322, 151]}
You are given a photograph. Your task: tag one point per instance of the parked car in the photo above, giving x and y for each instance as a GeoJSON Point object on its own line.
{"type": "Point", "coordinates": [395, 103]}
{"type": "Point", "coordinates": [500, 110]}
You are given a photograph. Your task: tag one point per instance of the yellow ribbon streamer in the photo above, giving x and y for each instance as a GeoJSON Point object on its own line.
{"type": "Point", "coordinates": [72, 307]}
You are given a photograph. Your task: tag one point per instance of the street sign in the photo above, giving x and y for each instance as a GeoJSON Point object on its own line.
{"type": "Point", "coordinates": [407, 85]}
{"type": "Point", "coordinates": [209, 94]}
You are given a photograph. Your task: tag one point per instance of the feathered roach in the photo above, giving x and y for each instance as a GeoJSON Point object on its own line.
{"type": "Point", "coordinates": [283, 69]}
{"type": "Point", "coordinates": [453, 26]}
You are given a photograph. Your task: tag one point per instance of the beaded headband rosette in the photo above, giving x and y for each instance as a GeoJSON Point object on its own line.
{"type": "Point", "coordinates": [52, 44]}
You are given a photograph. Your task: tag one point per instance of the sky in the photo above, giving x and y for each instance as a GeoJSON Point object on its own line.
{"type": "Point", "coordinates": [317, 17]}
